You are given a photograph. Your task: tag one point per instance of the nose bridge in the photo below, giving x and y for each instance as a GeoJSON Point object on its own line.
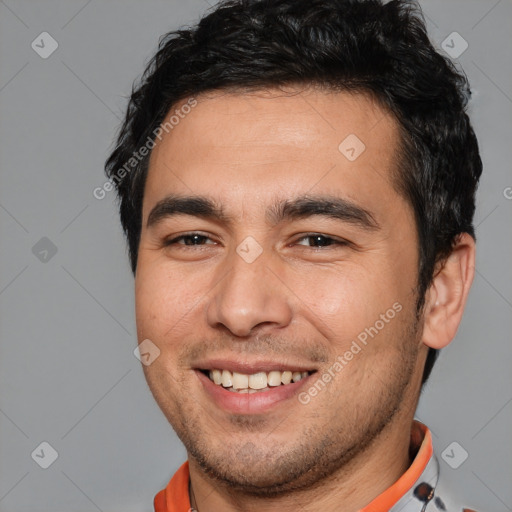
{"type": "Point", "coordinates": [250, 294]}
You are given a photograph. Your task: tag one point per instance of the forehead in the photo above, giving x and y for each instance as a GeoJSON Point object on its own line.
{"type": "Point", "coordinates": [252, 146]}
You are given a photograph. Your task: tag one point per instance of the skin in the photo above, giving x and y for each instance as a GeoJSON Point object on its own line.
{"type": "Point", "coordinates": [299, 302]}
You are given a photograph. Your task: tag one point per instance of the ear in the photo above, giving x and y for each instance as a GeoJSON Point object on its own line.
{"type": "Point", "coordinates": [446, 298]}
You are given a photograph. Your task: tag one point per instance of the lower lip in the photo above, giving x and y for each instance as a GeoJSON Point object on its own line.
{"type": "Point", "coordinates": [249, 403]}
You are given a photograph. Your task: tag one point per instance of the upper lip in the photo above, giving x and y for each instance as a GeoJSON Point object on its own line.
{"type": "Point", "coordinates": [251, 367]}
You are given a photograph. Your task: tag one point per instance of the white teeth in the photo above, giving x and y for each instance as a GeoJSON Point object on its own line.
{"type": "Point", "coordinates": [261, 381]}
{"type": "Point", "coordinates": [226, 379]}
{"type": "Point", "coordinates": [274, 378]}
{"type": "Point", "coordinates": [240, 381]}
{"type": "Point", "coordinates": [258, 380]}
{"type": "Point", "coordinates": [216, 377]}
{"type": "Point", "coordinates": [296, 376]}
{"type": "Point", "coordinates": [286, 377]}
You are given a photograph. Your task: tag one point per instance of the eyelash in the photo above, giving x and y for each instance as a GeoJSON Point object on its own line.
{"type": "Point", "coordinates": [332, 241]}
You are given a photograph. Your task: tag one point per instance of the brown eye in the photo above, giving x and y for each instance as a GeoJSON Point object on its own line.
{"type": "Point", "coordinates": [190, 239]}
{"type": "Point", "coordinates": [318, 240]}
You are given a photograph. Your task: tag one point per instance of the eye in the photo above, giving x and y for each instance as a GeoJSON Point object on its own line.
{"type": "Point", "coordinates": [318, 240]}
{"type": "Point", "coordinates": [188, 239]}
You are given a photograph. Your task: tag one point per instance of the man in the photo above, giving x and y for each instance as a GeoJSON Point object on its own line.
{"type": "Point", "coordinates": [296, 182]}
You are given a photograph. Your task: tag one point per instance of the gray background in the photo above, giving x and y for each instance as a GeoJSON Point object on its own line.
{"type": "Point", "coordinates": [68, 375]}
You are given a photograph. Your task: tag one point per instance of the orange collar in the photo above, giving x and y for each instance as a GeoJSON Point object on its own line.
{"type": "Point", "coordinates": [421, 444]}
{"type": "Point", "coordinates": [175, 498]}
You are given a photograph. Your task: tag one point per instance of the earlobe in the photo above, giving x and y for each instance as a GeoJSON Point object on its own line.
{"type": "Point", "coordinates": [447, 295]}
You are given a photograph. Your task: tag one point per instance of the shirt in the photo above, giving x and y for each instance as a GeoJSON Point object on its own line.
{"type": "Point", "coordinates": [419, 489]}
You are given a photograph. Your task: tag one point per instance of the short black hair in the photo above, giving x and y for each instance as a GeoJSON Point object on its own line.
{"type": "Point", "coordinates": [368, 46]}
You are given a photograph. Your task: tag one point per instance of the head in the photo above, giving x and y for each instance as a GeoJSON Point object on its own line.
{"type": "Point", "coordinates": [260, 122]}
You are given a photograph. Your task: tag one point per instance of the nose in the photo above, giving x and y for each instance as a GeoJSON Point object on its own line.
{"type": "Point", "coordinates": [250, 296]}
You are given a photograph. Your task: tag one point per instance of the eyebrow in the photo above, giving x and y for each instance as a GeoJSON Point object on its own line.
{"type": "Point", "coordinates": [281, 210]}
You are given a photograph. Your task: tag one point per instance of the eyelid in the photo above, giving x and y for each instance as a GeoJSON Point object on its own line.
{"type": "Point", "coordinates": [337, 240]}
{"type": "Point", "coordinates": [174, 238]}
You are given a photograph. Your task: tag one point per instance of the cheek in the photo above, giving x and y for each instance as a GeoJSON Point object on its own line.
{"type": "Point", "coordinates": [345, 299]}
{"type": "Point", "coordinates": [163, 301]}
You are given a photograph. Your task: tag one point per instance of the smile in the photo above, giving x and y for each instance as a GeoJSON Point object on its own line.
{"type": "Point", "coordinates": [256, 382]}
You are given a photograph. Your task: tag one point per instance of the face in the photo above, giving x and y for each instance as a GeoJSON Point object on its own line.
{"type": "Point", "coordinates": [274, 246]}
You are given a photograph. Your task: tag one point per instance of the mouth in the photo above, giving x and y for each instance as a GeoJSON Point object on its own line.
{"type": "Point", "coordinates": [253, 387]}
{"type": "Point", "coordinates": [259, 382]}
